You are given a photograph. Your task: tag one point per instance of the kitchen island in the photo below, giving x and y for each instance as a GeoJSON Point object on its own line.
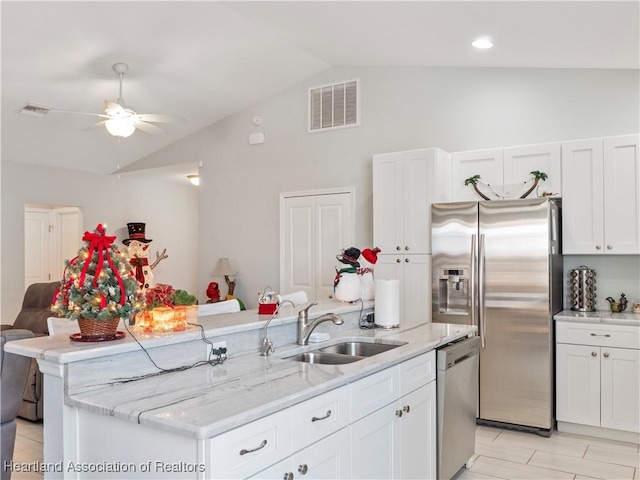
{"type": "Point", "coordinates": [117, 421]}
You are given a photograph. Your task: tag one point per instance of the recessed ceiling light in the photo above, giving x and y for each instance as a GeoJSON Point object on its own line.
{"type": "Point", "coordinates": [482, 43]}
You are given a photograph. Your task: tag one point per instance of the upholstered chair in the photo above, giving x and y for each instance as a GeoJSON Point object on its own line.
{"type": "Point", "coordinates": [13, 377]}
{"type": "Point", "coordinates": [36, 308]}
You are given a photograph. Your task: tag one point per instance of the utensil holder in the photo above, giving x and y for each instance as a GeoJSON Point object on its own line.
{"type": "Point", "coordinates": [582, 288]}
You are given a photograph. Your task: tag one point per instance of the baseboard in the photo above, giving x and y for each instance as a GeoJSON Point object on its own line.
{"type": "Point", "coordinates": [599, 432]}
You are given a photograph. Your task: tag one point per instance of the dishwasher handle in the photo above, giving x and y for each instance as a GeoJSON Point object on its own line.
{"type": "Point", "coordinates": [451, 355]}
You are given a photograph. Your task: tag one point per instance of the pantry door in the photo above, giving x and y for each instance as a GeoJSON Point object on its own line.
{"type": "Point", "coordinates": [314, 228]}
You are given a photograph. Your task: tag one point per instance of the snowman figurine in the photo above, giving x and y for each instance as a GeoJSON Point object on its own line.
{"type": "Point", "coordinates": [346, 285]}
{"type": "Point", "coordinates": [138, 248]}
{"type": "Point", "coordinates": [368, 258]}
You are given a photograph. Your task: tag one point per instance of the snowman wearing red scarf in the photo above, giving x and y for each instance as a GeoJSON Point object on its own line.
{"type": "Point", "coordinates": [138, 247]}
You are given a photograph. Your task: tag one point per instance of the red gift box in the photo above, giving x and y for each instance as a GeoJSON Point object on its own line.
{"type": "Point", "coordinates": [267, 308]}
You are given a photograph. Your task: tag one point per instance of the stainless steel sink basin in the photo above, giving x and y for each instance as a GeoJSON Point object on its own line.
{"type": "Point", "coordinates": [360, 349]}
{"type": "Point", "coordinates": [345, 352]}
{"type": "Point", "coordinates": [325, 358]}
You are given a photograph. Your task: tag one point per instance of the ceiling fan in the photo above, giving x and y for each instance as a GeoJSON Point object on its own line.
{"type": "Point", "coordinates": [121, 120]}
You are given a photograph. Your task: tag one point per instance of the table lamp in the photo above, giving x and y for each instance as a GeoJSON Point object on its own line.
{"type": "Point", "coordinates": [223, 268]}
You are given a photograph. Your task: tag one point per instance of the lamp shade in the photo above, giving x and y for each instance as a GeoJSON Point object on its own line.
{"type": "Point", "coordinates": [223, 267]}
{"type": "Point", "coordinates": [120, 127]}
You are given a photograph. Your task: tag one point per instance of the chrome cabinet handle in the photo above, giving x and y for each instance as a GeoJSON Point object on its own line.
{"type": "Point", "coordinates": [605, 355]}
{"type": "Point", "coordinates": [398, 247]}
{"type": "Point", "coordinates": [594, 354]}
{"type": "Point", "coordinates": [303, 469]}
{"type": "Point", "coordinates": [598, 247]}
{"type": "Point", "coordinates": [288, 476]}
{"type": "Point", "coordinates": [317, 419]}
{"type": "Point", "coordinates": [398, 413]}
{"type": "Point", "coordinates": [407, 247]}
{"type": "Point", "coordinates": [609, 247]}
{"type": "Point", "coordinates": [406, 408]}
{"type": "Point", "coordinates": [244, 451]}
{"type": "Point", "coordinates": [406, 260]}
{"type": "Point", "coordinates": [398, 260]}
{"type": "Point", "coordinates": [600, 335]}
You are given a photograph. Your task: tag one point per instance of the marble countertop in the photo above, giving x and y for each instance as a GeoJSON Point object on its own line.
{"type": "Point", "coordinates": [206, 401]}
{"type": "Point", "coordinates": [60, 349]}
{"type": "Point", "coordinates": [605, 317]}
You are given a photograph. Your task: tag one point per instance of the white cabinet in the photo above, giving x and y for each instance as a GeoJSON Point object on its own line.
{"type": "Point", "coordinates": [601, 196]}
{"type": "Point", "coordinates": [414, 274]}
{"type": "Point", "coordinates": [597, 372]}
{"type": "Point", "coordinates": [327, 458]}
{"type": "Point", "coordinates": [313, 230]}
{"type": "Point", "coordinates": [405, 184]}
{"type": "Point", "coordinates": [510, 167]}
{"type": "Point", "coordinates": [401, 433]}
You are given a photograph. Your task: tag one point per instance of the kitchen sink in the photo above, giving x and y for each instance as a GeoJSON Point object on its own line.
{"type": "Point", "coordinates": [325, 358]}
{"type": "Point", "coordinates": [345, 352]}
{"type": "Point", "coordinates": [359, 349]}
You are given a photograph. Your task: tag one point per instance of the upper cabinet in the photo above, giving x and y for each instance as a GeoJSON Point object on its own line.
{"type": "Point", "coordinates": [405, 184]}
{"type": "Point", "coordinates": [601, 196]}
{"type": "Point", "coordinates": [506, 167]}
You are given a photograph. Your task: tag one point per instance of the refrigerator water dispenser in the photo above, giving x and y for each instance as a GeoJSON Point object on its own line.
{"type": "Point", "coordinates": [453, 291]}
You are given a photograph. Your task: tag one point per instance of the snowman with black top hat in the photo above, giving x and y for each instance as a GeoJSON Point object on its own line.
{"type": "Point", "coordinates": [346, 285]}
{"type": "Point", "coordinates": [138, 248]}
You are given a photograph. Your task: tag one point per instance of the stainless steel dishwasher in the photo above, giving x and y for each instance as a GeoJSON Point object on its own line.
{"type": "Point", "coordinates": [457, 386]}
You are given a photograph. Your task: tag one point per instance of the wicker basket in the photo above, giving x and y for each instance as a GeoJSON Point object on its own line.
{"type": "Point", "coordinates": [90, 327]}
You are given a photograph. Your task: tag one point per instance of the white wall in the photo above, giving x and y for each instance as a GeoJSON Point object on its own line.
{"type": "Point", "coordinates": [402, 108]}
{"type": "Point", "coordinates": [170, 211]}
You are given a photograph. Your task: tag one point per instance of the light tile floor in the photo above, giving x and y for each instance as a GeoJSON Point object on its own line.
{"type": "Point", "coordinates": [502, 454]}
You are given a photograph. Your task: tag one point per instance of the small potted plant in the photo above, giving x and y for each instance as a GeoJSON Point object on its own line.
{"type": "Point", "coordinates": [98, 289]}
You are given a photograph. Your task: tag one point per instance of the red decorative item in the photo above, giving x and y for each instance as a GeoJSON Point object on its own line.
{"type": "Point", "coordinates": [267, 308]}
{"type": "Point", "coordinates": [213, 292]}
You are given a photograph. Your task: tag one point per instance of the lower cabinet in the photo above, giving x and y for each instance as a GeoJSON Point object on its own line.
{"type": "Point", "coordinates": [401, 434]}
{"type": "Point", "coordinates": [597, 372]}
{"type": "Point", "coordinates": [328, 458]}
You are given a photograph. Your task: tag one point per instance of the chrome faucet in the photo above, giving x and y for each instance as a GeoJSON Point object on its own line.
{"type": "Point", "coordinates": [305, 327]}
{"type": "Point", "coordinates": [267, 345]}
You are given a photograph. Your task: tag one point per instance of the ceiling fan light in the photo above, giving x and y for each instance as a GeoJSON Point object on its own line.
{"type": "Point", "coordinates": [120, 128]}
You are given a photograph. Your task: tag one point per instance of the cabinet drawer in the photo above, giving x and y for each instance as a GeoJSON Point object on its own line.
{"type": "Point", "coordinates": [320, 416]}
{"type": "Point", "coordinates": [374, 392]}
{"type": "Point", "coordinates": [597, 334]}
{"type": "Point", "coordinates": [417, 372]}
{"type": "Point", "coordinates": [253, 447]}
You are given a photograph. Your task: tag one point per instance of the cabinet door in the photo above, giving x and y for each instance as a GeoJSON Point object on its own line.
{"type": "Point", "coordinates": [620, 394]}
{"type": "Point", "coordinates": [375, 444]}
{"type": "Point", "coordinates": [622, 195]}
{"type": "Point", "coordinates": [418, 433]}
{"type": "Point", "coordinates": [486, 163]}
{"type": "Point", "coordinates": [578, 384]}
{"type": "Point", "coordinates": [416, 289]}
{"type": "Point", "coordinates": [417, 166]}
{"type": "Point", "coordinates": [583, 197]}
{"type": "Point", "coordinates": [388, 199]}
{"type": "Point", "coordinates": [519, 162]}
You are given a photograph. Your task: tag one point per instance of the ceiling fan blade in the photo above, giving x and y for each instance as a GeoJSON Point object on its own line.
{"type": "Point", "coordinates": [158, 118]}
{"type": "Point", "coordinates": [148, 128]}
{"type": "Point", "coordinates": [96, 125]}
{"type": "Point", "coordinates": [79, 113]}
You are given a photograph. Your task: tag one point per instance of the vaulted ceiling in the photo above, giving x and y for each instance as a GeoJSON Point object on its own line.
{"type": "Point", "coordinates": [206, 60]}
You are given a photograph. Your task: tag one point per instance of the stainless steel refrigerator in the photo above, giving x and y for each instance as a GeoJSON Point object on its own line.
{"type": "Point", "coordinates": [498, 265]}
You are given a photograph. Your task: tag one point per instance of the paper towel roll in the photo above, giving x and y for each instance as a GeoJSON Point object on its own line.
{"type": "Point", "coordinates": [387, 303]}
{"type": "Point", "coordinates": [296, 297]}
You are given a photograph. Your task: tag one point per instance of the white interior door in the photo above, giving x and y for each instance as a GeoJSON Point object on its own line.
{"type": "Point", "coordinates": [314, 228]}
{"type": "Point", "coordinates": [37, 246]}
{"type": "Point", "coordinates": [51, 236]}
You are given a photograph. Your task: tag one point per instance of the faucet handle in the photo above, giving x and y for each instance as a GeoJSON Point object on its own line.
{"type": "Point", "coordinates": [305, 311]}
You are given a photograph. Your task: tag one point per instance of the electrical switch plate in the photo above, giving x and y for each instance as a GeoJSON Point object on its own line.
{"type": "Point", "coordinates": [256, 138]}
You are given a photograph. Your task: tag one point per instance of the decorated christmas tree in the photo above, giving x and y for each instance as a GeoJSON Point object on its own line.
{"type": "Point", "coordinates": [98, 284]}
